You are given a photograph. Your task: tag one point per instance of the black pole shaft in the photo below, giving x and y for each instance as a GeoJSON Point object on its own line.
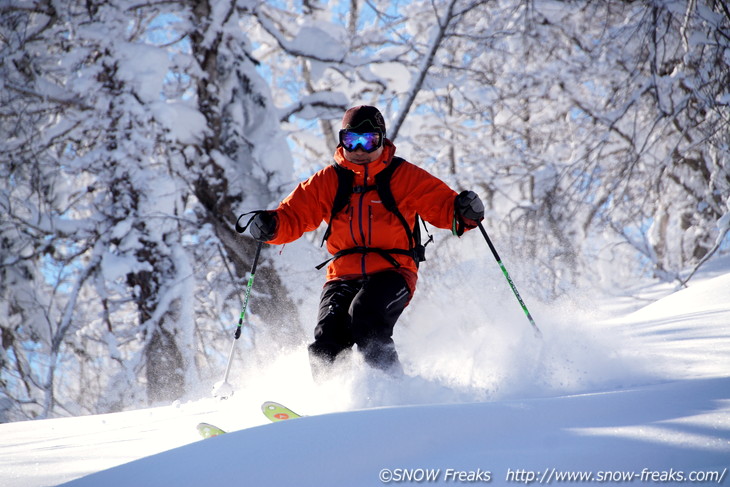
{"type": "Point", "coordinates": [509, 280]}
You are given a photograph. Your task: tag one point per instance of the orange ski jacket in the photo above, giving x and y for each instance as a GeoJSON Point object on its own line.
{"type": "Point", "coordinates": [365, 222]}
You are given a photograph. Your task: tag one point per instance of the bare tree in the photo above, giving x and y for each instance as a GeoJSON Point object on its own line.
{"type": "Point", "coordinates": [126, 157]}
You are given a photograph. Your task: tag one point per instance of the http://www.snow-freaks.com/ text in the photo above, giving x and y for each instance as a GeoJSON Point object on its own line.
{"type": "Point", "coordinates": [547, 476]}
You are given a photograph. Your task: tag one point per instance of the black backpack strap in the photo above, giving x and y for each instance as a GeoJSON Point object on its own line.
{"type": "Point", "coordinates": [345, 178]}
{"type": "Point", "coordinates": [345, 189]}
{"type": "Point", "coordinates": [382, 181]}
{"type": "Point", "coordinates": [386, 254]}
{"type": "Point", "coordinates": [386, 196]}
{"type": "Point", "coordinates": [420, 249]}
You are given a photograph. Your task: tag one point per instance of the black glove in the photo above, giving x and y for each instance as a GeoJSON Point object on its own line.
{"type": "Point", "coordinates": [263, 226]}
{"type": "Point", "coordinates": [469, 207]}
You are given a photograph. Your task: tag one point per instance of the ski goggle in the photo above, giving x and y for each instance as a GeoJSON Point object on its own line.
{"type": "Point", "coordinates": [368, 141]}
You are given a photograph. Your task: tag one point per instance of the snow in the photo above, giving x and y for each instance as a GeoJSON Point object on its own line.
{"type": "Point", "coordinates": [145, 67]}
{"type": "Point", "coordinates": [118, 266]}
{"type": "Point", "coordinates": [662, 413]}
{"type": "Point", "coordinates": [185, 123]}
{"type": "Point", "coordinates": [312, 39]}
{"type": "Point", "coordinates": [396, 76]}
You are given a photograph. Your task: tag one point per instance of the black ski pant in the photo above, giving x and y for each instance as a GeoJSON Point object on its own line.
{"type": "Point", "coordinates": [360, 312]}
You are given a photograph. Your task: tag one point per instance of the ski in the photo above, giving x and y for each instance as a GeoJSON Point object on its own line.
{"type": "Point", "coordinates": [276, 412]}
{"type": "Point", "coordinates": [207, 430]}
{"type": "Point", "coordinates": [272, 410]}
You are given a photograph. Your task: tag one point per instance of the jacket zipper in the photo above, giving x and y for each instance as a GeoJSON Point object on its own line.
{"type": "Point", "coordinates": [370, 226]}
{"type": "Point", "coordinates": [361, 223]}
{"type": "Point", "coordinates": [360, 219]}
{"type": "Point", "coordinates": [352, 228]}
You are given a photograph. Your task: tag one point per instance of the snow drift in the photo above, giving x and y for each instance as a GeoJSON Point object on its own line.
{"type": "Point", "coordinates": [658, 407]}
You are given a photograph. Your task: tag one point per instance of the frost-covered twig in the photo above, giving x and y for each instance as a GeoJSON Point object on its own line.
{"type": "Point", "coordinates": [436, 41]}
{"type": "Point", "coordinates": [64, 326]}
{"type": "Point", "coordinates": [724, 225]}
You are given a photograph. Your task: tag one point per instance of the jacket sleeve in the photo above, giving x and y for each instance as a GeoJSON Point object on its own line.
{"type": "Point", "coordinates": [306, 207]}
{"type": "Point", "coordinates": [428, 196]}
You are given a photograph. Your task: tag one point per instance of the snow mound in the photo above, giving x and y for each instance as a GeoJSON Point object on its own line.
{"type": "Point", "coordinates": [663, 412]}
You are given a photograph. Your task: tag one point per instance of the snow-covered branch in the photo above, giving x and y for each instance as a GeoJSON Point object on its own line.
{"type": "Point", "coordinates": [437, 36]}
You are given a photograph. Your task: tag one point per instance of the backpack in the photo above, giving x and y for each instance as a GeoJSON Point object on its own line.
{"type": "Point", "coordinates": [345, 189]}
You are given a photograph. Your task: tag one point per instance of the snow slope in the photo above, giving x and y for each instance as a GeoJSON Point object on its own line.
{"type": "Point", "coordinates": [660, 411]}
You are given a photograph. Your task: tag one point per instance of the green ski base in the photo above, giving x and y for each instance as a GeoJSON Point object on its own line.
{"type": "Point", "coordinates": [272, 410]}
{"type": "Point", "coordinates": [276, 412]}
{"type": "Point", "coordinates": [207, 430]}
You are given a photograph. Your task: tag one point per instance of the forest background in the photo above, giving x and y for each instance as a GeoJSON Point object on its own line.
{"type": "Point", "coordinates": [133, 134]}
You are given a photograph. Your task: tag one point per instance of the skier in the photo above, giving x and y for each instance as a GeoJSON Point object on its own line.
{"type": "Point", "coordinates": [372, 275]}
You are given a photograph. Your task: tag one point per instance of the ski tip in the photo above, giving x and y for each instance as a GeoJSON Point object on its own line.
{"type": "Point", "coordinates": [208, 430]}
{"type": "Point", "coordinates": [277, 412]}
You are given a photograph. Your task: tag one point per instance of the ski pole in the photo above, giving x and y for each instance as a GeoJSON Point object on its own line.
{"type": "Point", "coordinates": [223, 388]}
{"type": "Point", "coordinates": [538, 333]}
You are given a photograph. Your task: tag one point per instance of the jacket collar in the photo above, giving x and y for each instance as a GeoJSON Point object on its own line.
{"type": "Point", "coordinates": [370, 169]}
